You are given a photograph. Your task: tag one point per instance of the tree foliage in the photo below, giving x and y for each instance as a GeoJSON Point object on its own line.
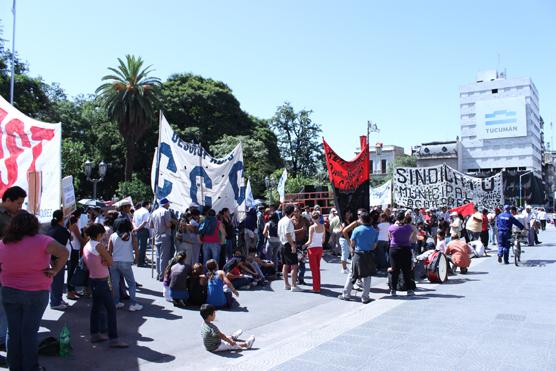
{"type": "Point", "coordinates": [130, 97]}
{"type": "Point", "coordinates": [298, 140]}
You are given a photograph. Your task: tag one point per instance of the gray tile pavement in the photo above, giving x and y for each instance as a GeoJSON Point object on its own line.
{"type": "Point", "coordinates": [495, 318]}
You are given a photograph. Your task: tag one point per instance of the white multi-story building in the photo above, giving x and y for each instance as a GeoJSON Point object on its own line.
{"type": "Point", "coordinates": [500, 125]}
{"type": "Point", "coordinates": [381, 162]}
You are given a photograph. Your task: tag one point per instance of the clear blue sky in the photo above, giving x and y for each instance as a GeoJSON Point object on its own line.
{"type": "Point", "coordinates": [398, 63]}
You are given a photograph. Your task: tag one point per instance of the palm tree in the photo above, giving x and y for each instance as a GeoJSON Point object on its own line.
{"type": "Point", "coordinates": [130, 97]}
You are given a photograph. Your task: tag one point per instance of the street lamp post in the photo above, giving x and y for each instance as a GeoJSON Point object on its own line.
{"type": "Point", "coordinates": [88, 168]}
{"type": "Point", "coordinates": [520, 187]}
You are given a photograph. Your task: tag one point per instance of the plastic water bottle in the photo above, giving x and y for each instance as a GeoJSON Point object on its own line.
{"type": "Point", "coordinates": [65, 342]}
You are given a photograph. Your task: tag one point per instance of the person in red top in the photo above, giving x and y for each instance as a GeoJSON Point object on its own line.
{"type": "Point", "coordinates": [26, 278]}
{"type": "Point", "coordinates": [458, 253]}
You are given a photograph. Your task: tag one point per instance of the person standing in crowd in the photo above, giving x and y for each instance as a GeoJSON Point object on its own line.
{"type": "Point", "coordinates": [363, 242]}
{"type": "Point", "coordinates": [122, 246]}
{"type": "Point", "coordinates": [286, 232]}
{"type": "Point", "coordinates": [528, 215]}
{"type": "Point", "coordinates": [26, 275]}
{"type": "Point", "coordinates": [474, 225]}
{"type": "Point", "coordinates": [400, 252]}
{"type": "Point", "coordinates": [314, 249]}
{"type": "Point", "coordinates": [301, 227]}
{"type": "Point", "coordinates": [249, 232]}
{"type": "Point", "coordinates": [383, 244]}
{"type": "Point", "coordinates": [458, 252]}
{"type": "Point", "coordinates": [260, 227]}
{"type": "Point", "coordinates": [270, 233]}
{"type": "Point", "coordinates": [161, 222]}
{"type": "Point", "coordinates": [484, 229]}
{"type": "Point", "coordinates": [61, 234]}
{"type": "Point", "coordinates": [542, 218]}
{"type": "Point", "coordinates": [75, 243]}
{"type": "Point", "coordinates": [335, 230]}
{"type": "Point", "coordinates": [455, 224]}
{"type": "Point", "coordinates": [141, 219]}
{"type": "Point", "coordinates": [230, 235]}
{"type": "Point", "coordinates": [504, 222]}
{"type": "Point", "coordinates": [103, 311]}
{"type": "Point", "coordinates": [212, 235]}
{"type": "Point", "coordinates": [345, 238]}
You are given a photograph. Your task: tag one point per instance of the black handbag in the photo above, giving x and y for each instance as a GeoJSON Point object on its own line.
{"type": "Point", "coordinates": [80, 276]}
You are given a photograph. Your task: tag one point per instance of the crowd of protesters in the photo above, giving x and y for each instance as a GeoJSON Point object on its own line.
{"type": "Point", "coordinates": [204, 256]}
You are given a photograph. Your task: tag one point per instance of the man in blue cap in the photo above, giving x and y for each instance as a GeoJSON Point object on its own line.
{"type": "Point", "coordinates": [504, 222]}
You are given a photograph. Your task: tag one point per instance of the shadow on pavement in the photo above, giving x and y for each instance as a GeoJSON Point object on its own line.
{"type": "Point", "coordinates": [537, 263]}
{"type": "Point", "coordinates": [87, 356]}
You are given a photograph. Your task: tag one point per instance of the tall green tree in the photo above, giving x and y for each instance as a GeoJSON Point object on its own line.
{"type": "Point", "coordinates": [298, 140]}
{"type": "Point", "coordinates": [130, 97]}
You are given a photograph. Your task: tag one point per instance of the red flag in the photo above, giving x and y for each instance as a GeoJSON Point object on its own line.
{"type": "Point", "coordinates": [465, 210]}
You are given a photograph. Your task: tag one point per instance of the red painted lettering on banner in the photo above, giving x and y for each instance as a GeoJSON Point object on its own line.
{"type": "Point", "coordinates": [17, 142]}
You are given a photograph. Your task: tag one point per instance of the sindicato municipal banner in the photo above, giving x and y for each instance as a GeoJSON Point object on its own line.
{"type": "Point", "coordinates": [438, 186]}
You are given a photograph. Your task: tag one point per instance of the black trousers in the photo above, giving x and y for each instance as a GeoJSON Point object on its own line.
{"type": "Point", "coordinates": [72, 264]}
{"type": "Point", "coordinates": [400, 260]}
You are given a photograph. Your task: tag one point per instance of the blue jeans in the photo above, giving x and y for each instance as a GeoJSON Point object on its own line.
{"type": "Point", "coordinates": [24, 310]}
{"type": "Point", "coordinates": [103, 310]}
{"type": "Point", "coordinates": [211, 251]}
{"type": "Point", "coordinates": [142, 240]}
{"type": "Point", "coordinates": [57, 289]}
{"type": "Point", "coordinates": [124, 269]}
{"type": "Point", "coordinates": [3, 321]}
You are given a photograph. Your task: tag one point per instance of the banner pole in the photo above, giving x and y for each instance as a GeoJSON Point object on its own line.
{"type": "Point", "coordinates": [156, 176]}
{"type": "Point", "coordinates": [202, 178]}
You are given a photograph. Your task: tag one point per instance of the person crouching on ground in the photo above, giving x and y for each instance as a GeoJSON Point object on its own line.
{"type": "Point", "coordinates": [180, 274]}
{"type": "Point", "coordinates": [215, 286]}
{"type": "Point", "coordinates": [363, 242]}
{"type": "Point", "coordinates": [458, 252]}
{"type": "Point", "coordinates": [216, 341]}
{"type": "Point", "coordinates": [97, 259]}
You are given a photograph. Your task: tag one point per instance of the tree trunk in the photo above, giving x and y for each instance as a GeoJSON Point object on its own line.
{"type": "Point", "coordinates": [130, 153]}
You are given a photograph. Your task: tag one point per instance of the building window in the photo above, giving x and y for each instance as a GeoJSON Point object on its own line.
{"type": "Point", "coordinates": [372, 167]}
{"type": "Point", "coordinates": [383, 166]}
{"type": "Point", "coordinates": [494, 91]}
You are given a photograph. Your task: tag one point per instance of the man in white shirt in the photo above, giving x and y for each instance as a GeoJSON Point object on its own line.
{"type": "Point", "coordinates": [542, 217]}
{"type": "Point", "coordinates": [286, 233]}
{"type": "Point", "coordinates": [141, 228]}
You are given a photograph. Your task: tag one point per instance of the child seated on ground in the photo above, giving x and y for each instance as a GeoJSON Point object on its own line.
{"type": "Point", "coordinates": [214, 340]}
{"type": "Point", "coordinates": [197, 286]}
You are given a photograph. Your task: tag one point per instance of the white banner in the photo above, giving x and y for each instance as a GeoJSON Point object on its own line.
{"type": "Point", "coordinates": [188, 175]}
{"type": "Point", "coordinates": [437, 186]}
{"type": "Point", "coordinates": [282, 186]}
{"type": "Point", "coordinates": [501, 118]}
{"type": "Point", "coordinates": [69, 202]}
{"type": "Point", "coordinates": [382, 195]}
{"type": "Point", "coordinates": [30, 157]}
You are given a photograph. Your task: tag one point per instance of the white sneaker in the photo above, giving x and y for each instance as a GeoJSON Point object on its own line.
{"type": "Point", "coordinates": [344, 271]}
{"type": "Point", "coordinates": [60, 307]}
{"type": "Point", "coordinates": [135, 307]}
{"type": "Point", "coordinates": [120, 305]}
{"type": "Point", "coordinates": [250, 341]}
{"type": "Point", "coordinates": [236, 335]}
{"type": "Point", "coordinates": [295, 289]}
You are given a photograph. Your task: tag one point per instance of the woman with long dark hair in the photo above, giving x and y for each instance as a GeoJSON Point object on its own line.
{"type": "Point", "coordinates": [25, 260]}
{"type": "Point", "coordinates": [62, 236]}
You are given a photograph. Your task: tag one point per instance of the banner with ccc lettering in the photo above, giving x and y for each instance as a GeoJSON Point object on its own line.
{"type": "Point", "coordinates": [188, 174]}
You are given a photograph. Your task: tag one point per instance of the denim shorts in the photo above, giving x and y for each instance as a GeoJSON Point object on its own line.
{"type": "Point", "coordinates": [344, 245]}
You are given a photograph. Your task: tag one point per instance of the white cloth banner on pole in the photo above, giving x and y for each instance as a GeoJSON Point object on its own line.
{"type": "Point", "coordinates": [31, 158]}
{"type": "Point", "coordinates": [382, 195]}
{"type": "Point", "coordinates": [188, 175]}
{"type": "Point", "coordinates": [282, 186]}
{"type": "Point", "coordinates": [438, 186]}
{"type": "Point", "coordinates": [247, 204]}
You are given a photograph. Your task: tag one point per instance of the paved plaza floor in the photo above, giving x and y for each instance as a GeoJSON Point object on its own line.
{"type": "Point", "coordinates": [497, 317]}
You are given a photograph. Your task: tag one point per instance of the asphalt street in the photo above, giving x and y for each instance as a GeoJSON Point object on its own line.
{"type": "Point", "coordinates": [497, 317]}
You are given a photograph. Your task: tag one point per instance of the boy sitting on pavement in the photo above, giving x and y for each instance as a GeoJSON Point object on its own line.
{"type": "Point", "coordinates": [214, 340]}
